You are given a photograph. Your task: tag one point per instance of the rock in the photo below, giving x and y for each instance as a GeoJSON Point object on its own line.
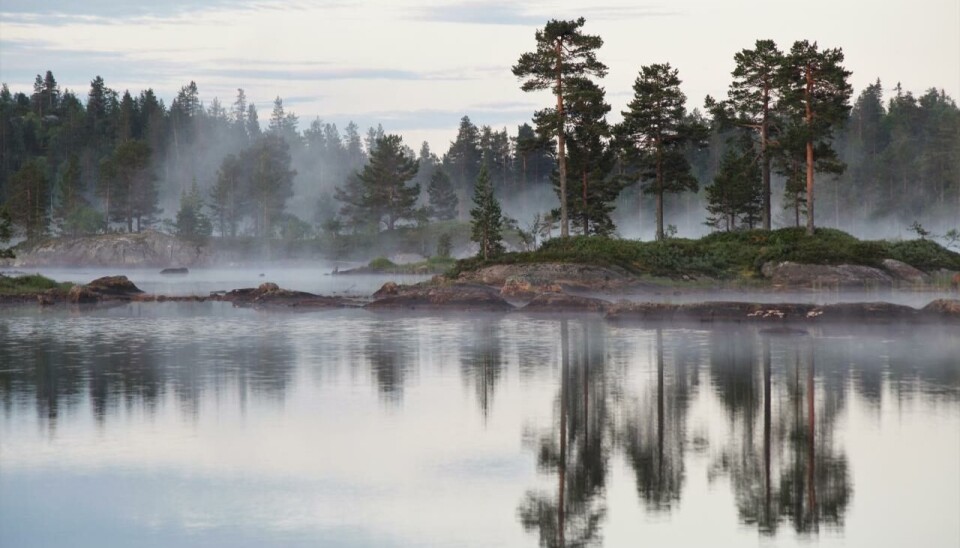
{"type": "Point", "coordinates": [790, 274]}
{"type": "Point", "coordinates": [562, 302]}
{"type": "Point", "coordinates": [449, 297]}
{"type": "Point", "coordinates": [387, 289]}
{"type": "Point", "coordinates": [80, 294]}
{"type": "Point", "coordinates": [580, 276]}
{"type": "Point", "coordinates": [904, 272]}
{"type": "Point", "coordinates": [527, 287]}
{"type": "Point", "coordinates": [271, 295]}
{"type": "Point", "coordinates": [181, 270]}
{"type": "Point", "coordinates": [50, 297]}
{"type": "Point", "coordinates": [943, 309]}
{"type": "Point", "coordinates": [117, 286]}
{"type": "Point", "coordinates": [147, 248]}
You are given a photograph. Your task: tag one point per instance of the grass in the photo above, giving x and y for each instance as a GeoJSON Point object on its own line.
{"type": "Point", "coordinates": [433, 265]}
{"type": "Point", "coordinates": [728, 255]}
{"type": "Point", "coordinates": [28, 284]}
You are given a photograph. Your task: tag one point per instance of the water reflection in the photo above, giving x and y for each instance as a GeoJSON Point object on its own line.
{"type": "Point", "coordinates": [576, 451]}
{"type": "Point", "coordinates": [631, 423]}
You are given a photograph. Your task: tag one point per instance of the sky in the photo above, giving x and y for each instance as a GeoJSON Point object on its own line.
{"type": "Point", "coordinates": [417, 67]}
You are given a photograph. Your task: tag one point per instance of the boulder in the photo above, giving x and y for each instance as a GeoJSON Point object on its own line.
{"type": "Point", "coordinates": [790, 274]}
{"type": "Point", "coordinates": [108, 288]}
{"type": "Point", "coordinates": [527, 287]}
{"type": "Point", "coordinates": [943, 309]}
{"type": "Point", "coordinates": [905, 273]}
{"type": "Point", "coordinates": [444, 297]}
{"type": "Point", "coordinates": [387, 289]}
{"type": "Point", "coordinates": [562, 302]}
{"type": "Point", "coordinates": [81, 294]}
{"type": "Point", "coordinates": [116, 286]}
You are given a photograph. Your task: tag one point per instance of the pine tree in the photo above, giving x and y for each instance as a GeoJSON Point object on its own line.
{"type": "Point", "coordinates": [380, 192]}
{"type": "Point", "coordinates": [563, 52]}
{"type": "Point", "coordinates": [443, 199]}
{"type": "Point", "coordinates": [591, 196]}
{"type": "Point", "coordinates": [816, 98]}
{"type": "Point", "coordinates": [752, 97]}
{"type": "Point", "coordinates": [463, 158]}
{"type": "Point", "coordinates": [656, 127]}
{"type": "Point", "coordinates": [486, 218]}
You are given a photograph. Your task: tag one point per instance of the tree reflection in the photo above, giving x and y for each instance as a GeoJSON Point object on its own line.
{"type": "Point", "coordinates": [576, 449]}
{"type": "Point", "coordinates": [113, 370]}
{"type": "Point", "coordinates": [794, 471]}
{"type": "Point", "coordinates": [482, 361]}
{"type": "Point", "coordinates": [653, 435]}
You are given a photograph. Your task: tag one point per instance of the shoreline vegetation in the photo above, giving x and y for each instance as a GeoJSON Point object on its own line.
{"type": "Point", "coordinates": [558, 276]}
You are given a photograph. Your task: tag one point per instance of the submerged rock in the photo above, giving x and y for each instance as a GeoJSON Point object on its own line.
{"type": "Point", "coordinates": [443, 297]}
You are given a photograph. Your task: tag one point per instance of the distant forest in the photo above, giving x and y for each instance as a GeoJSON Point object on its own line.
{"type": "Point", "coordinates": [75, 163]}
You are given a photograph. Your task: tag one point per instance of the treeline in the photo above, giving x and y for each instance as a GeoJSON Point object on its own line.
{"type": "Point", "coordinates": [785, 147]}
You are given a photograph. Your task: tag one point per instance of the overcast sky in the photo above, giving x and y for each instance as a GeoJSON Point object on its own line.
{"type": "Point", "coordinates": [419, 66]}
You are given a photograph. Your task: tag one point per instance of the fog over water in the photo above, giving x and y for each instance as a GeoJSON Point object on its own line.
{"type": "Point", "coordinates": [199, 424]}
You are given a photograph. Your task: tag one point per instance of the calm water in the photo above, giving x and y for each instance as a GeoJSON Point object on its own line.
{"type": "Point", "coordinates": [197, 424]}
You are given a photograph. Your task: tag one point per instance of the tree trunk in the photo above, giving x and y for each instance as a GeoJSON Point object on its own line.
{"type": "Point", "coordinates": [561, 145]}
{"type": "Point", "coordinates": [809, 118]}
{"type": "Point", "coordinates": [765, 157]}
{"type": "Point", "coordinates": [660, 236]}
{"type": "Point", "coordinates": [586, 217]}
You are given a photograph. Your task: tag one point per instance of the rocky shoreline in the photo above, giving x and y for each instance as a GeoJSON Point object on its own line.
{"type": "Point", "coordinates": [440, 297]}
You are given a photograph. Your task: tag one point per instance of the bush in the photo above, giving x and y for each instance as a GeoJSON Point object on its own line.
{"type": "Point", "coordinates": [382, 263]}
{"type": "Point", "coordinates": [31, 283]}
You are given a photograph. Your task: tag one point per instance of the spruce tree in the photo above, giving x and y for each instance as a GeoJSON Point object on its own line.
{"type": "Point", "coordinates": [30, 198]}
{"type": "Point", "coordinates": [486, 218]}
{"type": "Point", "coordinates": [563, 52]}
{"type": "Point", "coordinates": [443, 198]}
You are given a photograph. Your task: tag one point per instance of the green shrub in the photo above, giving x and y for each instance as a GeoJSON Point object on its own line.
{"type": "Point", "coordinates": [382, 263]}
{"type": "Point", "coordinates": [31, 283]}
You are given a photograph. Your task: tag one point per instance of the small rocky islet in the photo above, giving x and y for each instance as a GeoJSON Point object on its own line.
{"type": "Point", "coordinates": [542, 289]}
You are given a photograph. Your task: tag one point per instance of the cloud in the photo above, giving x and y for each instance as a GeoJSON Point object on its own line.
{"type": "Point", "coordinates": [513, 13]}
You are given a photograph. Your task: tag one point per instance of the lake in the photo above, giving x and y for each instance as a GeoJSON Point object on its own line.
{"type": "Point", "coordinates": [200, 424]}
